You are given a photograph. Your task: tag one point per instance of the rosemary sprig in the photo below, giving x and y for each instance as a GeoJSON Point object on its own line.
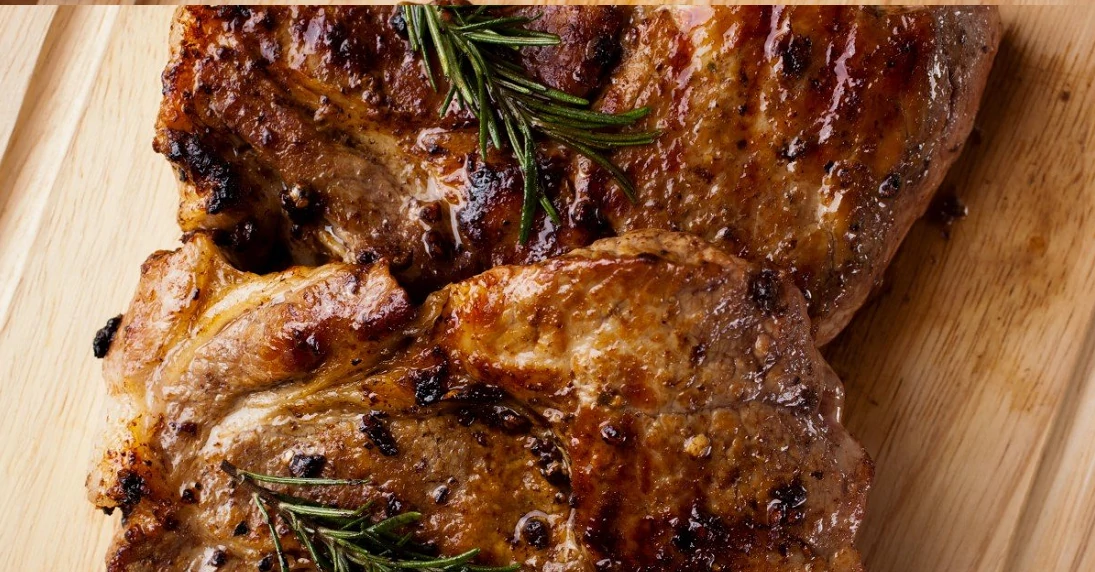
{"type": "Point", "coordinates": [346, 540]}
{"type": "Point", "coordinates": [475, 50]}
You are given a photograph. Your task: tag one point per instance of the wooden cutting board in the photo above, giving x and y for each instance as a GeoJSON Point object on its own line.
{"type": "Point", "coordinates": [971, 376]}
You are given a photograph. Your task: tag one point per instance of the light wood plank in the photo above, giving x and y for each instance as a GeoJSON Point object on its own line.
{"type": "Point", "coordinates": [110, 203]}
{"type": "Point", "coordinates": [54, 102]}
{"type": "Point", "coordinates": [958, 373]}
{"type": "Point", "coordinates": [22, 31]}
{"type": "Point", "coordinates": [1057, 528]}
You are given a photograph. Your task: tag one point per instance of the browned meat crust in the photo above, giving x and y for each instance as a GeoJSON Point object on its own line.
{"type": "Point", "coordinates": [808, 138]}
{"type": "Point", "coordinates": [689, 424]}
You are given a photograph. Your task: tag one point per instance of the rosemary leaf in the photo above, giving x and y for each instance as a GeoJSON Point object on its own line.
{"type": "Point", "coordinates": [306, 538]}
{"type": "Point", "coordinates": [283, 563]}
{"type": "Point", "coordinates": [492, 23]}
{"type": "Point", "coordinates": [511, 40]}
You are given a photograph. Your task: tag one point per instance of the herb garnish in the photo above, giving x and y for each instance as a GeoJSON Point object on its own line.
{"type": "Point", "coordinates": [476, 52]}
{"type": "Point", "coordinates": [345, 540]}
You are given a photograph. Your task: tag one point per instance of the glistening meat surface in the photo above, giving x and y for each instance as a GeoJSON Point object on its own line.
{"type": "Point", "coordinates": [806, 138]}
{"type": "Point", "coordinates": [649, 402]}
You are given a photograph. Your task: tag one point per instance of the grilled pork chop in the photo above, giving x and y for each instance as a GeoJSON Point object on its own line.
{"type": "Point", "coordinates": [647, 403]}
{"type": "Point", "coordinates": [808, 138]}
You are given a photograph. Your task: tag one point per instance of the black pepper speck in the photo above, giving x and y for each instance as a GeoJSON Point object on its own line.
{"type": "Point", "coordinates": [374, 428]}
{"type": "Point", "coordinates": [890, 186]}
{"type": "Point", "coordinates": [441, 494]}
{"type": "Point", "coordinates": [218, 558]}
{"type": "Point", "coordinates": [537, 533]}
{"type": "Point", "coordinates": [430, 385]}
{"type": "Point", "coordinates": [612, 435]}
{"type": "Point", "coordinates": [307, 466]}
{"type": "Point", "coordinates": [764, 290]}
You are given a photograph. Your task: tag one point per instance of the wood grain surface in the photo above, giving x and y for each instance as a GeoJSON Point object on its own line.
{"type": "Point", "coordinates": [970, 376]}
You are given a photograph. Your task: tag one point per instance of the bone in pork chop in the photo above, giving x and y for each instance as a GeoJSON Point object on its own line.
{"type": "Point", "coordinates": [809, 138]}
{"type": "Point", "coordinates": [649, 403]}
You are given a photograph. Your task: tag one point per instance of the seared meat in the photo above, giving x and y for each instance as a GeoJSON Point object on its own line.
{"type": "Point", "coordinates": [809, 138]}
{"type": "Point", "coordinates": [647, 403]}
